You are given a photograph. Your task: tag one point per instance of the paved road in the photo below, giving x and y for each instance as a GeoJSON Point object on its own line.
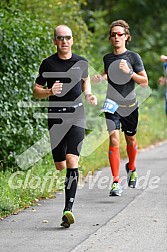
{"type": "Point", "coordinates": [136, 221]}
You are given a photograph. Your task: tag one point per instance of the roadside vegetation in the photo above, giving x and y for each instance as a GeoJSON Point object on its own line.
{"type": "Point", "coordinates": [26, 31]}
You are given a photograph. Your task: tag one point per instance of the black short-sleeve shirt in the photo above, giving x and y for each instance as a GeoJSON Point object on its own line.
{"type": "Point", "coordinates": [70, 72]}
{"type": "Point", "coordinates": [134, 61]}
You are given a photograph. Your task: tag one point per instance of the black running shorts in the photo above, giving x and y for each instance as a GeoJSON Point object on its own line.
{"type": "Point", "coordinates": [66, 132]}
{"type": "Point", "coordinates": [128, 123]}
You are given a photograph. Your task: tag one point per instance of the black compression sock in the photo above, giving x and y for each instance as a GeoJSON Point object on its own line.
{"type": "Point", "coordinates": [70, 187]}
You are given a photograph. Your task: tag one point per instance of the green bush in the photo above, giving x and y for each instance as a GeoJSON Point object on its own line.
{"type": "Point", "coordinates": [23, 45]}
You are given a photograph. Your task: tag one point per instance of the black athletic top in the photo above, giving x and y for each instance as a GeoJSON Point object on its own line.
{"type": "Point", "coordinates": [119, 82]}
{"type": "Point", "coordinates": [70, 72]}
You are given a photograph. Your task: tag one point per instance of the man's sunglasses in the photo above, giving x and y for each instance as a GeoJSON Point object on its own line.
{"type": "Point", "coordinates": [119, 34]}
{"type": "Point", "coordinates": [61, 38]}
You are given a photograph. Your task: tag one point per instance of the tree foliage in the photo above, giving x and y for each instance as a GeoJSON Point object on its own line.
{"type": "Point", "coordinates": [22, 47]}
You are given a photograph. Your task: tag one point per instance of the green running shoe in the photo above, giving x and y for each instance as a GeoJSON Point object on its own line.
{"type": "Point", "coordinates": [67, 219]}
{"type": "Point", "coordinates": [132, 177]}
{"type": "Point", "coordinates": [116, 189]}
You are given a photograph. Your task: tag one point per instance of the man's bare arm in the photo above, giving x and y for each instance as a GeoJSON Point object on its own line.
{"type": "Point", "coordinates": [40, 92]}
{"type": "Point", "coordinates": [86, 89]}
{"type": "Point", "coordinates": [99, 78]}
{"type": "Point", "coordinates": [140, 78]}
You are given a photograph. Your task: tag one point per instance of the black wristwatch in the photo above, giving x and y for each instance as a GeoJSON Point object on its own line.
{"type": "Point", "coordinates": [131, 72]}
